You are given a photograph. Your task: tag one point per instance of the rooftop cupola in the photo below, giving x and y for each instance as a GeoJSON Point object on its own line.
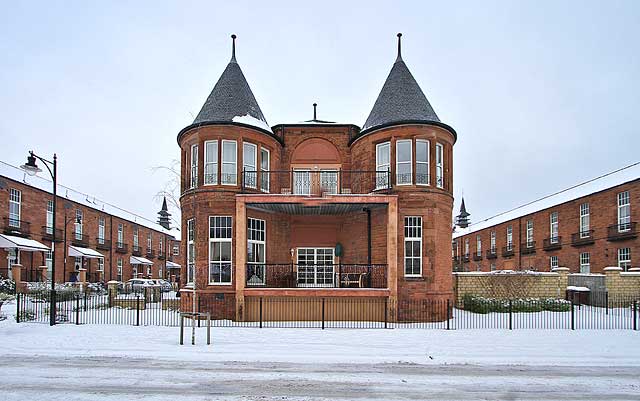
{"type": "Point", "coordinates": [164, 214]}
{"type": "Point", "coordinates": [462, 220]}
{"type": "Point", "coordinates": [231, 100]}
{"type": "Point", "coordinates": [401, 100]}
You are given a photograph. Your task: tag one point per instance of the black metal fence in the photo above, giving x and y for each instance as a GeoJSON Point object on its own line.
{"type": "Point", "coordinates": [163, 309]}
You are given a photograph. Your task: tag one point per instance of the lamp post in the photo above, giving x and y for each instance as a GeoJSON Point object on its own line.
{"type": "Point", "coordinates": [31, 168]}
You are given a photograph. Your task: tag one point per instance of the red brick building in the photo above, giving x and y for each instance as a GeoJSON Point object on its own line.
{"type": "Point", "coordinates": [100, 240]}
{"type": "Point", "coordinates": [585, 228]}
{"type": "Point", "coordinates": [317, 208]}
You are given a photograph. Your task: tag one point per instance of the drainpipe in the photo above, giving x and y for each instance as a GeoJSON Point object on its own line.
{"type": "Point", "coordinates": [368, 211]}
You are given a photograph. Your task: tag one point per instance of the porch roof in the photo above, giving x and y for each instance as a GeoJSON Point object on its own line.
{"type": "Point", "coordinates": [23, 244]}
{"type": "Point", "coordinates": [317, 209]}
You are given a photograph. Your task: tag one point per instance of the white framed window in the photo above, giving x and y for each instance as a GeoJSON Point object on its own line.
{"type": "Point", "coordinates": [624, 258]}
{"type": "Point", "coordinates": [176, 249]}
{"type": "Point", "coordinates": [49, 217]}
{"type": "Point", "coordinates": [100, 265]}
{"type": "Point", "coordinates": [493, 241]}
{"type": "Point", "coordinates": [149, 271]}
{"type": "Point", "coordinates": [584, 220]}
{"type": "Point", "coordinates": [136, 243]}
{"type": "Point", "coordinates": [220, 237]}
{"type": "Point", "coordinates": [149, 242]}
{"type": "Point", "coordinates": [329, 181]}
{"type": "Point", "coordinates": [211, 163]}
{"type": "Point", "coordinates": [249, 164]}
{"type": "Point", "coordinates": [529, 233]}
{"type": "Point", "coordinates": [509, 238]}
{"type": "Point", "coordinates": [466, 247]}
{"type": "Point", "coordinates": [553, 262]}
{"type": "Point", "coordinates": [265, 163]}
{"type": "Point", "coordinates": [624, 211]}
{"type": "Point", "coordinates": [48, 262]}
{"type": "Point", "coordinates": [193, 182]}
{"type": "Point", "coordinates": [161, 245]}
{"type": "Point", "coordinates": [119, 269]}
{"type": "Point", "coordinates": [403, 162]}
{"type": "Point", "coordinates": [493, 267]}
{"type": "Point", "coordinates": [256, 251]}
{"type": "Point", "coordinates": [191, 250]}
{"type": "Point", "coordinates": [120, 243]}
{"type": "Point", "coordinates": [315, 267]}
{"type": "Point", "coordinates": [302, 182]}
{"type": "Point", "coordinates": [422, 162]}
{"type": "Point", "coordinates": [478, 245]}
{"type": "Point", "coordinates": [439, 165]}
{"type": "Point", "coordinates": [160, 272]}
{"type": "Point", "coordinates": [15, 203]}
{"type": "Point", "coordinates": [78, 225]}
{"type": "Point", "coordinates": [134, 271]}
{"type": "Point", "coordinates": [585, 264]}
{"type": "Point", "coordinates": [383, 165]}
{"type": "Point", "coordinates": [413, 246]}
{"type": "Point", "coordinates": [229, 162]}
{"type": "Point", "coordinates": [101, 225]}
{"type": "Point", "coordinates": [553, 228]}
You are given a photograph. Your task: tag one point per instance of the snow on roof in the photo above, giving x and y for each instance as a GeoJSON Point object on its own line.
{"type": "Point", "coordinates": [606, 181]}
{"type": "Point", "coordinates": [40, 182]}
{"type": "Point", "coordinates": [252, 121]}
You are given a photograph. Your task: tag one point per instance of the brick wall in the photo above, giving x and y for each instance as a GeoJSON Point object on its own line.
{"type": "Point", "coordinates": [33, 210]}
{"type": "Point", "coordinates": [603, 252]}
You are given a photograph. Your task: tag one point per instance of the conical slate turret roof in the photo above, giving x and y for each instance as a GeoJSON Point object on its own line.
{"type": "Point", "coordinates": [231, 98]}
{"type": "Point", "coordinates": [400, 100]}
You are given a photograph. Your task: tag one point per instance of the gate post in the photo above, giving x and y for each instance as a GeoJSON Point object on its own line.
{"type": "Point", "coordinates": [510, 315]}
{"type": "Point", "coordinates": [137, 310]}
{"type": "Point", "coordinates": [77, 310]}
{"type": "Point", "coordinates": [260, 312]}
{"type": "Point", "coordinates": [448, 312]}
{"type": "Point", "coordinates": [635, 315]}
{"type": "Point", "coordinates": [18, 307]}
{"type": "Point", "coordinates": [573, 318]}
{"type": "Point", "coordinates": [322, 313]}
{"type": "Point", "coordinates": [52, 308]}
{"type": "Point", "coordinates": [386, 312]}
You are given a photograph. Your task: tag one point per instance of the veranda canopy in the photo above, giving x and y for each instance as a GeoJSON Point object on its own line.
{"type": "Point", "coordinates": [88, 253]}
{"type": "Point", "coordinates": [171, 265]}
{"type": "Point", "coordinates": [138, 260]}
{"type": "Point", "coordinates": [23, 244]}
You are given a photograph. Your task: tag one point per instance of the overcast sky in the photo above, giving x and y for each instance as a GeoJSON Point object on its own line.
{"type": "Point", "coordinates": [542, 94]}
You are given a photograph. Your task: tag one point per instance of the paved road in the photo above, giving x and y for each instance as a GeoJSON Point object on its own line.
{"type": "Point", "coordinates": [57, 378]}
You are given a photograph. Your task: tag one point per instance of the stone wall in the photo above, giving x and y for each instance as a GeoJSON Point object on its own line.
{"type": "Point", "coordinates": [508, 284]}
{"type": "Point", "coordinates": [622, 284]}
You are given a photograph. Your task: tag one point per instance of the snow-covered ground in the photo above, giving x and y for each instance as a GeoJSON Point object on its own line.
{"type": "Point", "coordinates": [87, 362]}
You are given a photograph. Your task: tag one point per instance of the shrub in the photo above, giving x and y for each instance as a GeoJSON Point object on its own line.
{"type": "Point", "coordinates": [6, 297]}
{"type": "Point", "coordinates": [7, 286]}
{"type": "Point", "coordinates": [477, 304]}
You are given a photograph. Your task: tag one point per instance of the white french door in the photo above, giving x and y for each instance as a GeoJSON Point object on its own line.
{"type": "Point", "coordinates": [315, 267]}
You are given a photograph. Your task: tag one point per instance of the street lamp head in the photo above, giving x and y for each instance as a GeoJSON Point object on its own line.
{"type": "Point", "coordinates": [30, 167]}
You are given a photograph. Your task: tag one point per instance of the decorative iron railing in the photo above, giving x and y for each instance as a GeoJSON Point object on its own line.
{"type": "Point", "coordinates": [291, 275]}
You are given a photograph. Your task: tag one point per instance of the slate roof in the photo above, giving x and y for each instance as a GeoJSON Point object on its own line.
{"type": "Point", "coordinates": [231, 97]}
{"type": "Point", "coordinates": [400, 99]}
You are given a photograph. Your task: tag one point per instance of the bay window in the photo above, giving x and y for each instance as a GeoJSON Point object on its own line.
{"type": "Point", "coordinates": [383, 165]}
{"type": "Point", "coordinates": [403, 162]}
{"type": "Point", "coordinates": [220, 236]}
{"type": "Point", "coordinates": [211, 163]}
{"type": "Point", "coordinates": [229, 162]}
{"type": "Point", "coordinates": [422, 162]}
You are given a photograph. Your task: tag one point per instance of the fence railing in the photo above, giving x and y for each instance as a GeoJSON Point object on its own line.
{"type": "Point", "coordinates": [315, 182]}
{"type": "Point", "coordinates": [163, 309]}
{"type": "Point", "coordinates": [291, 275]}
{"type": "Point", "coordinates": [14, 226]}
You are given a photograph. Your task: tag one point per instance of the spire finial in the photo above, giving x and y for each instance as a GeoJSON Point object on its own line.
{"type": "Point", "coordinates": [399, 47]}
{"type": "Point", "coordinates": [314, 111]}
{"type": "Point", "coordinates": [233, 48]}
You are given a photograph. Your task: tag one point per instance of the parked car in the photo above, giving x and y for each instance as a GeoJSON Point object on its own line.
{"type": "Point", "coordinates": [165, 286]}
{"type": "Point", "coordinates": [138, 284]}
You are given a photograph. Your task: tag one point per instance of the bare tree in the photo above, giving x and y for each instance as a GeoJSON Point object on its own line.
{"type": "Point", "coordinates": [171, 188]}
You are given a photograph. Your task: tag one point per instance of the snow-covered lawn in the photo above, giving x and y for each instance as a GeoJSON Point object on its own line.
{"type": "Point", "coordinates": [119, 362]}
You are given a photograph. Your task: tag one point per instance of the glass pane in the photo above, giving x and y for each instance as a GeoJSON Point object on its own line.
{"type": "Point", "coordinates": [421, 151]}
{"type": "Point", "coordinates": [403, 151]}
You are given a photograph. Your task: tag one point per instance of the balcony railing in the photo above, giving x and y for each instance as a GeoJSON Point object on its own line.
{"type": "Point", "coordinates": [150, 253]}
{"type": "Point", "coordinates": [16, 227]}
{"type": "Point", "coordinates": [136, 250]}
{"type": "Point", "coordinates": [79, 239]}
{"type": "Point", "coordinates": [582, 238]}
{"type": "Point", "coordinates": [620, 232]}
{"type": "Point", "coordinates": [47, 234]}
{"type": "Point", "coordinates": [552, 243]}
{"type": "Point", "coordinates": [160, 255]}
{"type": "Point", "coordinates": [507, 251]}
{"type": "Point", "coordinates": [527, 248]}
{"type": "Point", "coordinates": [492, 253]}
{"type": "Point", "coordinates": [290, 275]}
{"type": "Point", "coordinates": [466, 257]}
{"type": "Point", "coordinates": [315, 182]}
{"type": "Point", "coordinates": [477, 257]}
{"type": "Point", "coordinates": [104, 244]}
{"type": "Point", "coordinates": [121, 247]}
